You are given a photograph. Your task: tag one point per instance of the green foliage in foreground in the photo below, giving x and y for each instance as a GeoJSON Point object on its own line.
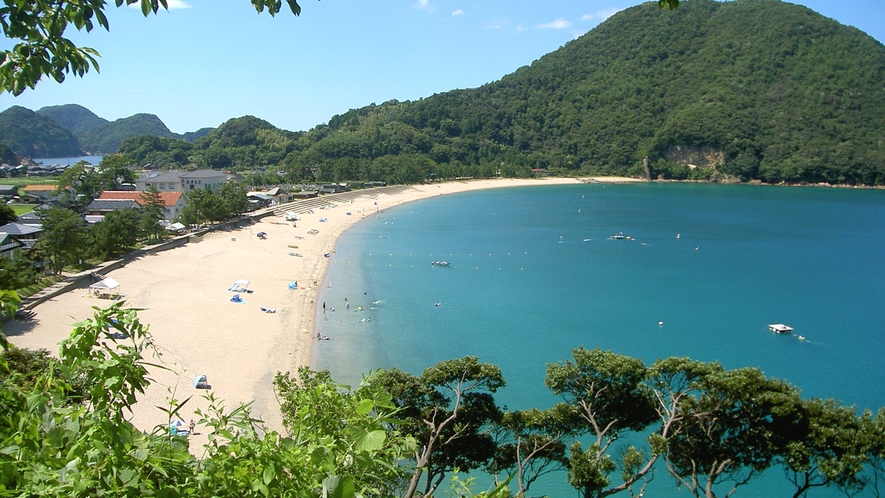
{"type": "Point", "coordinates": [64, 428]}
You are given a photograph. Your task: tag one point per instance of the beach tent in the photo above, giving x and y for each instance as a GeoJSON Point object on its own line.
{"type": "Point", "coordinates": [108, 286]}
{"type": "Point", "coordinates": [241, 285]}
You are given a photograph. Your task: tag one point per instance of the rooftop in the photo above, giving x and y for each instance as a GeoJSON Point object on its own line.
{"type": "Point", "coordinates": [169, 198]}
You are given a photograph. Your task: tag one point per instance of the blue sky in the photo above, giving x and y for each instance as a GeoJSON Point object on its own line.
{"type": "Point", "coordinates": [206, 61]}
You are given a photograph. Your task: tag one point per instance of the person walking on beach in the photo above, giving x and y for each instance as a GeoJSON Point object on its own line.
{"type": "Point", "coordinates": [191, 426]}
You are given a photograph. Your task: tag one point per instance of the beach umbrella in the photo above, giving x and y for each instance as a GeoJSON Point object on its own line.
{"type": "Point", "coordinates": [199, 378]}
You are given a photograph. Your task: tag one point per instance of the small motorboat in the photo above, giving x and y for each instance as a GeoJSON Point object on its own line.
{"type": "Point", "coordinates": [780, 328]}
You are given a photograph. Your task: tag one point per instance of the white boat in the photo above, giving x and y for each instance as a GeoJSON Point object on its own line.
{"type": "Point", "coordinates": [780, 328]}
{"type": "Point", "coordinates": [439, 263]}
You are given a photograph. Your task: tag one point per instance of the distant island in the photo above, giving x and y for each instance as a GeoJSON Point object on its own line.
{"type": "Point", "coordinates": [732, 91]}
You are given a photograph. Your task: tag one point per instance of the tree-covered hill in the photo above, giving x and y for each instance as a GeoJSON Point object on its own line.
{"type": "Point", "coordinates": [74, 117]}
{"type": "Point", "coordinates": [106, 138]}
{"type": "Point", "coordinates": [29, 134]}
{"type": "Point", "coordinates": [100, 136]}
{"type": "Point", "coordinates": [245, 142]}
{"type": "Point", "coordinates": [742, 90]}
{"type": "Point", "coordinates": [751, 89]}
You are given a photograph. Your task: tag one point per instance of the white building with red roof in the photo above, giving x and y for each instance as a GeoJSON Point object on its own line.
{"type": "Point", "coordinates": [173, 202]}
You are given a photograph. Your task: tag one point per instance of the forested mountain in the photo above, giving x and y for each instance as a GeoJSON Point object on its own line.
{"type": "Point", "coordinates": [106, 138]}
{"type": "Point", "coordinates": [74, 117]}
{"type": "Point", "coordinates": [7, 156]}
{"type": "Point", "coordinates": [244, 141]}
{"type": "Point", "coordinates": [742, 90]}
{"type": "Point", "coordinates": [97, 135]}
{"type": "Point", "coordinates": [192, 136]}
{"type": "Point", "coordinates": [753, 89]}
{"type": "Point", "coordinates": [29, 134]}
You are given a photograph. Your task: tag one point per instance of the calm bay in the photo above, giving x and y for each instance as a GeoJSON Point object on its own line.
{"type": "Point", "coordinates": [702, 270]}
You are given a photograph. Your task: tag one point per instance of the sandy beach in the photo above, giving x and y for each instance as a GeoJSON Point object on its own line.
{"type": "Point", "coordinates": [186, 300]}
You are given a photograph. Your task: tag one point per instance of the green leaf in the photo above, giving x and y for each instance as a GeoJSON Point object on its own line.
{"type": "Point", "coordinates": [337, 487]}
{"type": "Point", "coordinates": [268, 474]}
{"type": "Point", "coordinates": [296, 9]}
{"type": "Point", "coordinates": [371, 441]}
{"type": "Point", "coordinates": [9, 450]}
{"type": "Point", "coordinates": [365, 406]}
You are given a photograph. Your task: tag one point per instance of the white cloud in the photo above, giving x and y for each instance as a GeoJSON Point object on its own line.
{"type": "Point", "coordinates": [601, 15]}
{"type": "Point", "coordinates": [497, 24]}
{"type": "Point", "coordinates": [172, 4]}
{"type": "Point", "coordinates": [557, 24]}
{"type": "Point", "coordinates": [458, 12]}
{"type": "Point", "coordinates": [423, 5]}
{"type": "Point", "coordinates": [177, 4]}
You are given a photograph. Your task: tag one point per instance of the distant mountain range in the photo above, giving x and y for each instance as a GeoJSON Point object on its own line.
{"type": "Point", "coordinates": [72, 130]}
{"type": "Point", "coordinates": [752, 90]}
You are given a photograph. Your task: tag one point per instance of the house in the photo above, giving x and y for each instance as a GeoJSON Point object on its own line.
{"type": "Point", "coordinates": [15, 237]}
{"type": "Point", "coordinates": [258, 199]}
{"type": "Point", "coordinates": [8, 245]}
{"type": "Point", "coordinates": [334, 188]}
{"type": "Point", "coordinates": [204, 178]}
{"type": "Point", "coordinates": [98, 208]}
{"type": "Point", "coordinates": [181, 181]}
{"type": "Point", "coordinates": [270, 197]}
{"type": "Point", "coordinates": [40, 193]}
{"type": "Point", "coordinates": [173, 202]}
{"type": "Point", "coordinates": [278, 195]}
{"type": "Point", "coordinates": [31, 218]}
{"type": "Point", "coordinates": [7, 192]}
{"type": "Point", "coordinates": [304, 194]}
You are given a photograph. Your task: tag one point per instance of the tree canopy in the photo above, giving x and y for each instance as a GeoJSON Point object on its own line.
{"type": "Point", "coordinates": [64, 429]}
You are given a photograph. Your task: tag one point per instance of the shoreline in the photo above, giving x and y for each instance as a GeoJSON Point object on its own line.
{"type": "Point", "coordinates": [197, 329]}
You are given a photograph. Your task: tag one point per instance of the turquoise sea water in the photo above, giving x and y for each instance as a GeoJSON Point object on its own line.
{"type": "Point", "coordinates": [534, 274]}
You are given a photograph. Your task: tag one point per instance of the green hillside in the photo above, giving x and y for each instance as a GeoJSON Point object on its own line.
{"type": "Point", "coordinates": [106, 138]}
{"type": "Point", "coordinates": [244, 142]}
{"type": "Point", "coordinates": [29, 134]}
{"type": "Point", "coordinates": [74, 117]}
{"type": "Point", "coordinates": [752, 89]}
{"type": "Point", "coordinates": [726, 91]}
